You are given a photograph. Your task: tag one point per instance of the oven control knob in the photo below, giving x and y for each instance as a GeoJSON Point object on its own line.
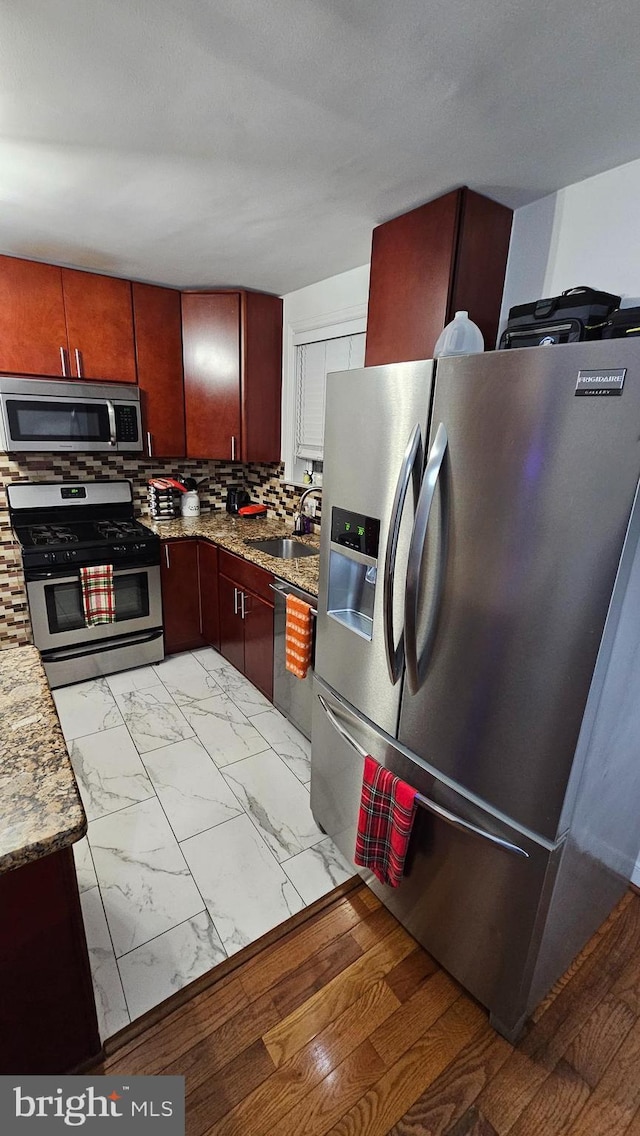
{"type": "Point", "coordinates": [50, 557]}
{"type": "Point", "coordinates": [70, 555]}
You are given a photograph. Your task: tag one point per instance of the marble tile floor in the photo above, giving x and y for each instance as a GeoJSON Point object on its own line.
{"type": "Point", "coordinates": [201, 837]}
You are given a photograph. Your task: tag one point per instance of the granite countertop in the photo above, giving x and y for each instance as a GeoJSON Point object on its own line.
{"type": "Point", "coordinates": [232, 533]}
{"type": "Point", "coordinates": [40, 807]}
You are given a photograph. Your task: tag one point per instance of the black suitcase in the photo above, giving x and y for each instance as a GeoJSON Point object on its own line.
{"type": "Point", "coordinates": [623, 323]}
{"type": "Point", "coordinates": [579, 313]}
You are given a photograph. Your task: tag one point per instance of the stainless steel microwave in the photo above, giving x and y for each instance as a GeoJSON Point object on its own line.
{"type": "Point", "coordinates": [69, 417]}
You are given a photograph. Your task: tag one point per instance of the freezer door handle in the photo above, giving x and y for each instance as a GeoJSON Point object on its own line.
{"type": "Point", "coordinates": [417, 667]}
{"type": "Point", "coordinates": [425, 802]}
{"type": "Point", "coordinates": [410, 469]}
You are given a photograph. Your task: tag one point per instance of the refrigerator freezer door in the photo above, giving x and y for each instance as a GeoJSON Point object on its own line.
{"type": "Point", "coordinates": [375, 426]}
{"type": "Point", "coordinates": [539, 482]}
{"type": "Point", "coordinates": [476, 906]}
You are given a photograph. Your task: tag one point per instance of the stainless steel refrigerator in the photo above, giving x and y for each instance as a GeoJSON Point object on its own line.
{"type": "Point", "coordinates": [479, 634]}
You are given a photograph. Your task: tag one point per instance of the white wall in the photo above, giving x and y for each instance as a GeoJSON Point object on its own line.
{"type": "Point", "coordinates": [347, 290]}
{"type": "Point", "coordinates": [587, 233]}
{"type": "Point", "coordinates": [339, 300]}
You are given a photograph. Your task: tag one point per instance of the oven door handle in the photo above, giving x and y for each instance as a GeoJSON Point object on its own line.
{"type": "Point", "coordinates": [63, 655]}
{"type": "Point", "coordinates": [36, 576]}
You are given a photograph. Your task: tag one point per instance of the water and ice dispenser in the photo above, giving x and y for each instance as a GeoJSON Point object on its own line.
{"type": "Point", "coordinates": [353, 568]}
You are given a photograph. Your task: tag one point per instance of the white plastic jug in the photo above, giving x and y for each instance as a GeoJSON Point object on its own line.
{"type": "Point", "coordinates": [460, 337]}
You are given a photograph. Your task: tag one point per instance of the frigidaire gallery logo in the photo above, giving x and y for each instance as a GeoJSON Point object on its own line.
{"type": "Point", "coordinates": [124, 1105]}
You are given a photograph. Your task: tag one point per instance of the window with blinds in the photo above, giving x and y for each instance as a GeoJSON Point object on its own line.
{"type": "Point", "coordinates": [314, 361]}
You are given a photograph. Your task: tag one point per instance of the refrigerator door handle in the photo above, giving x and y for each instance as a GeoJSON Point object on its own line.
{"type": "Point", "coordinates": [410, 469]}
{"type": "Point", "coordinates": [425, 802]}
{"type": "Point", "coordinates": [417, 667]}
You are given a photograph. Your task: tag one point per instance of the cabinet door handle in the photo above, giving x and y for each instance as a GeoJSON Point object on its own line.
{"type": "Point", "coordinates": [79, 364]}
{"type": "Point", "coordinates": [63, 362]}
{"type": "Point", "coordinates": [233, 448]}
{"type": "Point", "coordinates": [166, 555]}
{"type": "Point", "coordinates": [149, 443]}
{"type": "Point", "coordinates": [243, 609]}
{"type": "Point", "coordinates": [235, 601]}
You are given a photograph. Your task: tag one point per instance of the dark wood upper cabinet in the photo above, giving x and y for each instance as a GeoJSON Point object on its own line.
{"type": "Point", "coordinates": [232, 345]}
{"type": "Point", "coordinates": [211, 345]}
{"type": "Point", "coordinates": [262, 376]}
{"type": "Point", "coordinates": [445, 256]}
{"type": "Point", "coordinates": [158, 333]}
{"type": "Point", "coordinates": [65, 323]}
{"type": "Point", "coordinates": [33, 332]}
{"type": "Point", "coordinates": [99, 316]}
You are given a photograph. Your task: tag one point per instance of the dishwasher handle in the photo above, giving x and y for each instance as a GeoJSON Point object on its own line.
{"type": "Point", "coordinates": [285, 593]}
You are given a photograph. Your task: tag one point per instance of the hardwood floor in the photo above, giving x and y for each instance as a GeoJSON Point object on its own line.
{"type": "Point", "coordinates": [346, 1026]}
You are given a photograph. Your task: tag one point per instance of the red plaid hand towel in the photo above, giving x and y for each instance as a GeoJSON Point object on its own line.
{"type": "Point", "coordinates": [98, 598]}
{"type": "Point", "coordinates": [387, 809]}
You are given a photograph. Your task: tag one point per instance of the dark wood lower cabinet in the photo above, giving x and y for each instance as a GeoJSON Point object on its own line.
{"type": "Point", "coordinates": [47, 1012]}
{"type": "Point", "coordinates": [258, 644]}
{"type": "Point", "coordinates": [231, 623]}
{"type": "Point", "coordinates": [246, 633]}
{"type": "Point", "coordinates": [210, 596]}
{"type": "Point", "coordinates": [209, 609]}
{"type": "Point", "coordinates": [180, 595]}
{"type": "Point", "coordinates": [246, 619]}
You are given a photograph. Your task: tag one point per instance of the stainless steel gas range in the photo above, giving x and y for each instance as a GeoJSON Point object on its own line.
{"type": "Point", "coordinates": [63, 526]}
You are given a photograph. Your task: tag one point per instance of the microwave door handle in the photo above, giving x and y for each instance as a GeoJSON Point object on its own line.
{"type": "Point", "coordinates": [112, 422]}
{"type": "Point", "coordinates": [410, 469]}
{"type": "Point", "coordinates": [417, 667]}
{"type": "Point", "coordinates": [426, 802]}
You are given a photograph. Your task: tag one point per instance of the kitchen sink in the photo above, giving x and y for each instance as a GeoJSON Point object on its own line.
{"type": "Point", "coordinates": [282, 547]}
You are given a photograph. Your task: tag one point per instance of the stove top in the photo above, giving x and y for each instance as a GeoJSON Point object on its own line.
{"type": "Point", "coordinates": [84, 523]}
{"type": "Point", "coordinates": [57, 535]}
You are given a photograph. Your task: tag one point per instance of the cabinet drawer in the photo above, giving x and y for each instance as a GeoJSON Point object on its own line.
{"type": "Point", "coordinates": [247, 575]}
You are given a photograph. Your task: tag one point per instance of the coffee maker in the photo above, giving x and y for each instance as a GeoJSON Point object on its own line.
{"type": "Point", "coordinates": [236, 498]}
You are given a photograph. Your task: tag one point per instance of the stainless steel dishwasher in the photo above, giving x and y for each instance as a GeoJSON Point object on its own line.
{"type": "Point", "coordinates": [291, 695]}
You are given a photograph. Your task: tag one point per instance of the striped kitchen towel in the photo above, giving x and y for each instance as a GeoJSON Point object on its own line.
{"type": "Point", "coordinates": [387, 809]}
{"type": "Point", "coordinates": [98, 597]}
{"type": "Point", "coordinates": [298, 637]}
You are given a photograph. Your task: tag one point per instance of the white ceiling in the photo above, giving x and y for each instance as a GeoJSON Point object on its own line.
{"type": "Point", "coordinates": [257, 142]}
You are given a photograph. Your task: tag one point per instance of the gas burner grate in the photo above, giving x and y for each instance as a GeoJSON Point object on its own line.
{"type": "Point", "coordinates": [52, 534]}
{"type": "Point", "coordinates": [110, 530]}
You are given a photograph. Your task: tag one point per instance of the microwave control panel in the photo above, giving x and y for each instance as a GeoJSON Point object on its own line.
{"type": "Point", "coordinates": [126, 423]}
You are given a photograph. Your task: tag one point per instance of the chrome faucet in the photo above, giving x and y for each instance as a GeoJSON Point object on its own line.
{"type": "Point", "coordinates": [297, 517]}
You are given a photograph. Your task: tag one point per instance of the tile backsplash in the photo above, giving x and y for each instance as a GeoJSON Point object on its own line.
{"type": "Point", "coordinates": [264, 482]}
